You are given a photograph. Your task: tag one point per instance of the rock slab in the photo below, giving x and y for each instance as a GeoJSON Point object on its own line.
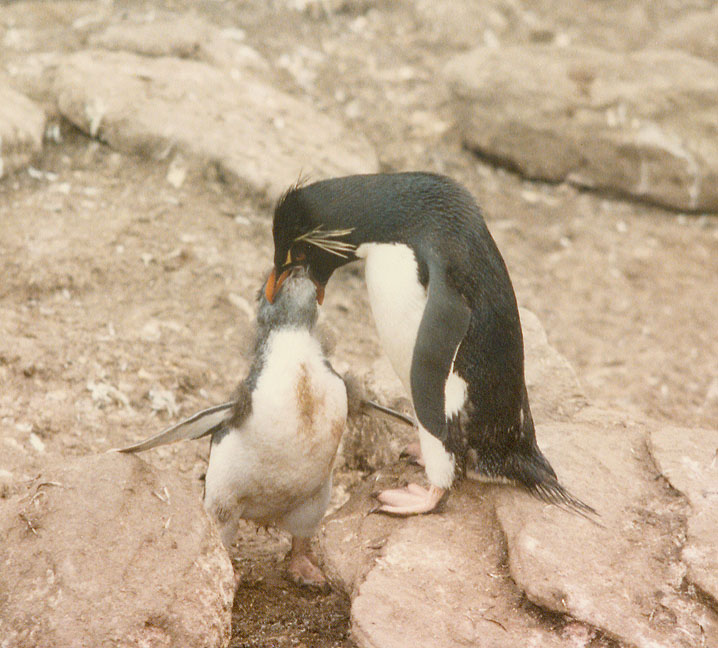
{"type": "Point", "coordinates": [443, 580]}
{"type": "Point", "coordinates": [696, 33]}
{"type": "Point", "coordinates": [642, 123]}
{"type": "Point", "coordinates": [106, 551]}
{"type": "Point", "coordinates": [22, 127]}
{"type": "Point", "coordinates": [556, 393]}
{"type": "Point", "coordinates": [688, 458]}
{"type": "Point", "coordinates": [437, 580]}
{"type": "Point", "coordinates": [624, 577]}
{"type": "Point", "coordinates": [498, 568]}
{"type": "Point", "coordinates": [182, 36]}
{"type": "Point", "coordinates": [252, 132]}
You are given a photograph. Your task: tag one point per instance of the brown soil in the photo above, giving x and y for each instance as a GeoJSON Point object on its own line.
{"type": "Point", "coordinates": [118, 289]}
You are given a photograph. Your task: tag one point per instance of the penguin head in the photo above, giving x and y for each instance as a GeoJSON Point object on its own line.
{"type": "Point", "coordinates": [294, 304]}
{"type": "Point", "coordinates": [302, 240]}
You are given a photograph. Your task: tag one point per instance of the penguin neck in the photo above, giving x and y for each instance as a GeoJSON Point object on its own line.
{"type": "Point", "coordinates": [371, 206]}
{"type": "Point", "coordinates": [371, 227]}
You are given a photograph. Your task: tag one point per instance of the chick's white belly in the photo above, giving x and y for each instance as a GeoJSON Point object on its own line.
{"type": "Point", "coordinates": [284, 452]}
{"type": "Point", "coordinates": [397, 301]}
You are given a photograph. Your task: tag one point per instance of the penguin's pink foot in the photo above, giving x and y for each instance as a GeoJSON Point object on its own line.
{"type": "Point", "coordinates": [413, 451]}
{"type": "Point", "coordinates": [303, 568]}
{"type": "Point", "coordinates": [411, 500]}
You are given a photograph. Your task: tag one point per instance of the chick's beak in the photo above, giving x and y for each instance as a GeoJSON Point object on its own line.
{"type": "Point", "coordinates": [274, 283]}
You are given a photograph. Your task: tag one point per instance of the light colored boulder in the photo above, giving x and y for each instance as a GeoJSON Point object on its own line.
{"type": "Point", "coordinates": [22, 127]}
{"type": "Point", "coordinates": [441, 580]}
{"type": "Point", "coordinates": [435, 580]}
{"type": "Point", "coordinates": [253, 133]}
{"type": "Point", "coordinates": [624, 577]}
{"type": "Point", "coordinates": [688, 459]}
{"type": "Point", "coordinates": [641, 123]}
{"type": "Point", "coordinates": [459, 577]}
{"type": "Point", "coordinates": [107, 551]}
{"type": "Point", "coordinates": [464, 23]}
{"type": "Point", "coordinates": [556, 393]}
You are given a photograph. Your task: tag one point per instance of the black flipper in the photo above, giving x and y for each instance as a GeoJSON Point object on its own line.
{"type": "Point", "coordinates": [203, 423]}
{"type": "Point", "coordinates": [407, 420]}
{"type": "Point", "coordinates": [443, 327]}
{"type": "Point", "coordinates": [357, 400]}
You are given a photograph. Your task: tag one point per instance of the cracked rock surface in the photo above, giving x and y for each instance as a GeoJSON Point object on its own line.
{"type": "Point", "coordinates": [688, 459]}
{"type": "Point", "coordinates": [166, 106]}
{"type": "Point", "coordinates": [497, 566]}
{"type": "Point", "coordinates": [22, 127]}
{"type": "Point", "coordinates": [108, 551]}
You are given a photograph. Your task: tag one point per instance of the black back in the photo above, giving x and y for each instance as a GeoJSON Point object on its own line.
{"type": "Point", "coordinates": [438, 219]}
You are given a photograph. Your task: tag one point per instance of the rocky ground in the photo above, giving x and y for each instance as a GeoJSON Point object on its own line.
{"type": "Point", "coordinates": [142, 145]}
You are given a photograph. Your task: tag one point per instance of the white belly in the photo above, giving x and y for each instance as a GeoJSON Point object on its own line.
{"type": "Point", "coordinates": [284, 452]}
{"type": "Point", "coordinates": [397, 301]}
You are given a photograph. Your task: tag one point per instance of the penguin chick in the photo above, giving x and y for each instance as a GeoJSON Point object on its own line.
{"type": "Point", "coordinates": [273, 464]}
{"type": "Point", "coordinates": [274, 445]}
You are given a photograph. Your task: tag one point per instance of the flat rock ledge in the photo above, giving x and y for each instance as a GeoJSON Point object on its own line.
{"type": "Point", "coordinates": [497, 568]}
{"type": "Point", "coordinates": [641, 124]}
{"type": "Point", "coordinates": [688, 459]}
{"type": "Point", "coordinates": [253, 133]}
{"type": "Point", "coordinates": [106, 551]}
{"type": "Point", "coordinates": [182, 36]}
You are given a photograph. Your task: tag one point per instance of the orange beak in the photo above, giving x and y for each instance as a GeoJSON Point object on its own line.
{"type": "Point", "coordinates": [274, 283]}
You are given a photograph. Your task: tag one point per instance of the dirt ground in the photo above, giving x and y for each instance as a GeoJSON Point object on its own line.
{"type": "Point", "coordinates": [126, 301]}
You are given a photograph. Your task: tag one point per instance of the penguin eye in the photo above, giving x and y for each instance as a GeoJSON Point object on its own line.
{"type": "Point", "coordinates": [294, 257]}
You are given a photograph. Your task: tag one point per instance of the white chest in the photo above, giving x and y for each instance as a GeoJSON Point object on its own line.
{"type": "Point", "coordinates": [397, 301]}
{"type": "Point", "coordinates": [297, 397]}
{"type": "Point", "coordinates": [285, 450]}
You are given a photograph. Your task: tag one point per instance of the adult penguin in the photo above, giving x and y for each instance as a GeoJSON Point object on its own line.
{"type": "Point", "coordinates": [446, 315]}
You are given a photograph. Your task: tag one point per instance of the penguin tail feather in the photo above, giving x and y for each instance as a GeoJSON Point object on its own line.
{"type": "Point", "coordinates": [206, 422]}
{"type": "Point", "coordinates": [551, 492]}
{"type": "Point", "coordinates": [534, 474]}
